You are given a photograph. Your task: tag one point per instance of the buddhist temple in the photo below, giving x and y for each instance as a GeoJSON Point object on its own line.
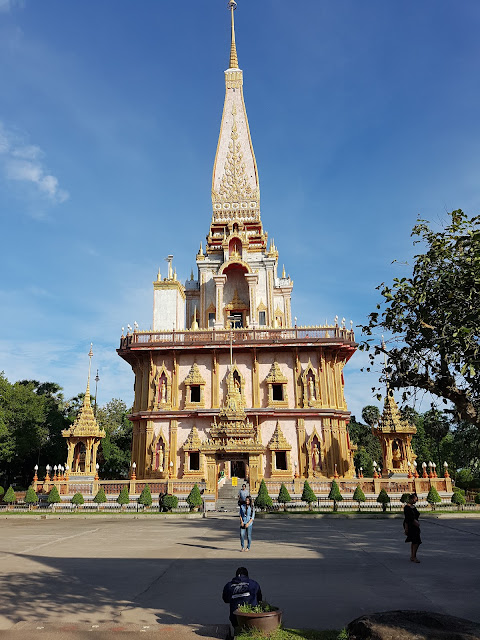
{"type": "Point", "coordinates": [226, 383]}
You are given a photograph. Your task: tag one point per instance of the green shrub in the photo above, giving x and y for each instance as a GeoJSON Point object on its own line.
{"type": "Point", "coordinates": [335, 495]}
{"type": "Point", "coordinates": [194, 499]}
{"type": "Point", "coordinates": [358, 495]}
{"type": "Point", "coordinates": [477, 498]}
{"type": "Point", "coordinates": [405, 498]}
{"type": "Point", "coordinates": [263, 500]}
{"type": "Point", "coordinates": [308, 495]}
{"type": "Point", "coordinates": [283, 496]}
{"type": "Point", "coordinates": [54, 496]}
{"type": "Point", "coordinates": [100, 498]}
{"type": "Point", "coordinates": [458, 499]}
{"type": "Point", "coordinates": [433, 498]}
{"type": "Point", "coordinates": [77, 499]}
{"type": "Point", "coordinates": [168, 502]}
{"type": "Point", "coordinates": [123, 497]}
{"type": "Point", "coordinates": [2, 491]}
{"type": "Point", "coordinates": [383, 498]}
{"type": "Point", "coordinates": [31, 497]}
{"type": "Point", "coordinates": [456, 489]}
{"type": "Point", "coordinates": [146, 497]}
{"type": "Point", "coordinates": [10, 496]}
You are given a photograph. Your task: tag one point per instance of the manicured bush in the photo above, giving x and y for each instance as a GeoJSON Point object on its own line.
{"type": "Point", "coordinates": [358, 495]}
{"type": "Point", "coordinates": [283, 496]}
{"type": "Point", "coordinates": [433, 498]}
{"type": "Point", "coordinates": [123, 497]}
{"type": "Point", "coordinates": [456, 489]}
{"type": "Point", "coordinates": [477, 498]}
{"type": "Point", "coordinates": [54, 496]}
{"type": "Point", "coordinates": [405, 498]}
{"type": "Point", "coordinates": [308, 495]}
{"type": "Point", "coordinates": [194, 499]}
{"type": "Point", "coordinates": [31, 497]}
{"type": "Point", "coordinates": [168, 502]}
{"type": "Point", "coordinates": [10, 496]}
{"type": "Point", "coordinates": [77, 499]}
{"type": "Point", "coordinates": [458, 499]}
{"type": "Point", "coordinates": [2, 491]}
{"type": "Point", "coordinates": [263, 500]}
{"type": "Point", "coordinates": [146, 497]}
{"type": "Point", "coordinates": [383, 498]}
{"type": "Point", "coordinates": [100, 498]}
{"type": "Point", "coordinates": [335, 495]}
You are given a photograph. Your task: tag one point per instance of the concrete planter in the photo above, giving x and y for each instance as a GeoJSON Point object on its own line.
{"type": "Point", "coordinates": [266, 621]}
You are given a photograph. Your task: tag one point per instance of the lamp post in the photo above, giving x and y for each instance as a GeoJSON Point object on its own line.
{"type": "Point", "coordinates": [445, 466]}
{"type": "Point", "coordinates": [171, 468]}
{"type": "Point", "coordinates": [335, 475]}
{"type": "Point", "coordinates": [55, 473]}
{"type": "Point", "coordinates": [97, 467]}
{"type": "Point", "coordinates": [66, 472]}
{"type": "Point", "coordinates": [35, 477]}
{"type": "Point", "coordinates": [47, 477]}
{"type": "Point", "coordinates": [409, 469]}
{"type": "Point", "coordinates": [133, 475]}
{"type": "Point", "coordinates": [415, 472]}
{"type": "Point", "coordinates": [430, 474]}
{"type": "Point", "coordinates": [434, 470]}
{"type": "Point", "coordinates": [375, 469]}
{"type": "Point", "coordinates": [424, 467]}
{"type": "Point", "coordinates": [361, 472]}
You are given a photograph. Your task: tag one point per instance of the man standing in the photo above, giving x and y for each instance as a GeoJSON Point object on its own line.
{"type": "Point", "coordinates": [241, 590]}
{"type": "Point", "coordinates": [242, 494]}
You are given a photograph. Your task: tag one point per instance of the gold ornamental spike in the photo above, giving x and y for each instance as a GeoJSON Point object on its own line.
{"type": "Point", "coordinates": [232, 5]}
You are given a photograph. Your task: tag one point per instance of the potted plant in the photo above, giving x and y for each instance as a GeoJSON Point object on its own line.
{"type": "Point", "coordinates": [262, 617]}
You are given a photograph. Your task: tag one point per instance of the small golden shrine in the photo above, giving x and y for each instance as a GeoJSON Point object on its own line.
{"type": "Point", "coordinates": [83, 437]}
{"type": "Point", "coordinates": [395, 435]}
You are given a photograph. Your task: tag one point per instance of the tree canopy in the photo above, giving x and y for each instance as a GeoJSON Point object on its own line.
{"type": "Point", "coordinates": [433, 318]}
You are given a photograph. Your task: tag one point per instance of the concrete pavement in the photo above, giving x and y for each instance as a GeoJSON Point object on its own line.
{"type": "Point", "coordinates": [97, 575]}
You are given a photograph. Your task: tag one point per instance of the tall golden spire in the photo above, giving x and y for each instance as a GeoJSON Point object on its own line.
{"type": "Point", "coordinates": [87, 393]}
{"type": "Point", "coordinates": [232, 5]}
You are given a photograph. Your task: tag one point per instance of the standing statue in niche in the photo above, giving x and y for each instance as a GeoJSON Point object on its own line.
{"type": "Point", "coordinates": [316, 457]}
{"type": "Point", "coordinates": [163, 392]}
{"type": "Point", "coordinates": [311, 390]}
{"type": "Point", "coordinates": [160, 458]}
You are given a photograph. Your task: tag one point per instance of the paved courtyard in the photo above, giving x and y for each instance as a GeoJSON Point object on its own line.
{"type": "Point", "coordinates": [151, 571]}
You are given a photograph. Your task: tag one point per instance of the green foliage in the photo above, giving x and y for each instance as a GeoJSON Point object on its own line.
{"type": "Point", "coordinates": [263, 500]}
{"type": "Point", "coordinates": [261, 607]}
{"type": "Point", "coordinates": [433, 498]}
{"type": "Point", "coordinates": [458, 499]}
{"type": "Point", "coordinates": [100, 498]}
{"type": "Point", "coordinates": [146, 497]}
{"type": "Point", "coordinates": [194, 498]}
{"type": "Point", "coordinates": [463, 478]}
{"type": "Point", "coordinates": [371, 415]}
{"type": "Point", "coordinates": [433, 317]}
{"type": "Point", "coordinates": [405, 498]}
{"type": "Point", "coordinates": [283, 495]}
{"type": "Point", "coordinates": [369, 448]}
{"type": "Point", "coordinates": [168, 502]}
{"type": "Point", "coordinates": [54, 496]}
{"type": "Point", "coordinates": [2, 491]}
{"type": "Point", "coordinates": [10, 496]}
{"type": "Point", "coordinates": [383, 498]}
{"type": "Point", "coordinates": [114, 456]}
{"type": "Point", "coordinates": [308, 494]}
{"type": "Point", "coordinates": [358, 495]}
{"type": "Point", "coordinates": [77, 499]}
{"type": "Point", "coordinates": [123, 497]}
{"type": "Point", "coordinates": [477, 498]}
{"type": "Point", "coordinates": [31, 497]}
{"type": "Point", "coordinates": [335, 495]}
{"type": "Point", "coordinates": [456, 489]}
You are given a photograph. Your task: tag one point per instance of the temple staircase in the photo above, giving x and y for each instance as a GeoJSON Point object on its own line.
{"type": "Point", "coordinates": [228, 496]}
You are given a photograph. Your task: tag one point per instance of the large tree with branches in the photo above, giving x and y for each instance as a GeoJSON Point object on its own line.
{"type": "Point", "coordinates": [433, 318]}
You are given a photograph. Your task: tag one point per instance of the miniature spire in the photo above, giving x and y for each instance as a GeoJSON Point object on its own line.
{"type": "Point", "coordinates": [283, 272]}
{"type": "Point", "coordinates": [87, 393]}
{"type": "Point", "coordinates": [232, 5]}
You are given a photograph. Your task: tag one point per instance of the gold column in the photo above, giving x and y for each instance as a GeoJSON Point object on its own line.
{"type": "Point", "coordinates": [327, 429]}
{"type": "Point", "coordinates": [323, 379]}
{"type": "Point", "coordinates": [270, 306]}
{"type": "Point", "coordinates": [252, 281]}
{"type": "Point", "coordinates": [296, 374]}
{"type": "Point", "coordinates": [148, 444]}
{"type": "Point", "coordinates": [174, 382]}
{"type": "Point", "coordinates": [211, 473]}
{"type": "Point", "coordinates": [301, 442]}
{"type": "Point", "coordinates": [88, 455]}
{"type": "Point", "coordinates": [215, 381]}
{"type": "Point", "coordinates": [173, 447]}
{"type": "Point", "coordinates": [255, 381]}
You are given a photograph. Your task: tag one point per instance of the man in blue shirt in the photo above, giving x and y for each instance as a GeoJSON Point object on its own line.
{"type": "Point", "coordinates": [241, 590]}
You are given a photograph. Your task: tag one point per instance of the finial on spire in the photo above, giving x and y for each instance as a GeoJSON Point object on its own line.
{"type": "Point", "coordinates": [232, 5]}
{"type": "Point", "coordinates": [90, 355]}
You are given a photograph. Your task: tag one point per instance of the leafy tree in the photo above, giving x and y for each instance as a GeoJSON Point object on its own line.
{"type": "Point", "coordinates": [168, 502]}
{"type": "Point", "coordinates": [2, 491]}
{"type": "Point", "coordinates": [371, 415]}
{"type": "Point", "coordinates": [10, 496]}
{"type": "Point", "coordinates": [263, 500]}
{"type": "Point", "coordinates": [54, 496]}
{"type": "Point", "coordinates": [405, 498]}
{"type": "Point", "coordinates": [458, 499]}
{"type": "Point", "coordinates": [383, 498]}
{"type": "Point", "coordinates": [308, 495]}
{"type": "Point", "coordinates": [433, 317]}
{"type": "Point", "coordinates": [123, 497]}
{"type": "Point", "coordinates": [77, 499]}
{"type": "Point", "coordinates": [463, 478]}
{"type": "Point", "coordinates": [433, 498]}
{"type": "Point", "coordinates": [114, 456]}
{"type": "Point", "coordinates": [100, 498]}
{"type": "Point", "coordinates": [477, 498]}
{"type": "Point", "coordinates": [283, 496]}
{"type": "Point", "coordinates": [369, 448]}
{"type": "Point", "coordinates": [31, 497]}
{"type": "Point", "coordinates": [194, 499]}
{"type": "Point", "coordinates": [146, 497]}
{"type": "Point", "coordinates": [335, 495]}
{"type": "Point", "coordinates": [359, 496]}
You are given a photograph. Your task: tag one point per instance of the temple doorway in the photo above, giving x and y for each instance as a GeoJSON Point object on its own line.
{"type": "Point", "coordinates": [238, 469]}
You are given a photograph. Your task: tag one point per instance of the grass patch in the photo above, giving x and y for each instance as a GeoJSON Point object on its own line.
{"type": "Point", "coordinates": [294, 634]}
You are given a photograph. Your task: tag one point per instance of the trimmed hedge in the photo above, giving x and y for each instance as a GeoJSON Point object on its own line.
{"type": "Point", "coordinates": [123, 497]}
{"type": "Point", "coordinates": [358, 495]}
{"type": "Point", "coordinates": [54, 496]}
{"type": "Point", "coordinates": [307, 494]}
{"type": "Point", "coordinates": [263, 500]}
{"type": "Point", "coordinates": [383, 498]}
{"type": "Point", "coordinates": [77, 499]}
{"type": "Point", "coordinates": [194, 499]}
{"type": "Point", "coordinates": [31, 497]}
{"type": "Point", "coordinates": [168, 502]}
{"type": "Point", "coordinates": [284, 496]}
{"type": "Point", "coordinates": [10, 496]}
{"type": "Point", "coordinates": [335, 495]}
{"type": "Point", "coordinates": [145, 497]}
{"type": "Point", "coordinates": [100, 498]}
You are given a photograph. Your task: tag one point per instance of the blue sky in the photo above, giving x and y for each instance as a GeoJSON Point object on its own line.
{"type": "Point", "coordinates": [363, 115]}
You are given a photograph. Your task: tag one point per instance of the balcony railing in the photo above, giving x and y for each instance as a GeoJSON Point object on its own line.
{"type": "Point", "coordinates": [240, 336]}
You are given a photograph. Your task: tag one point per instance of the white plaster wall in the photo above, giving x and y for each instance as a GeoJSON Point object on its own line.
{"type": "Point", "coordinates": [168, 310]}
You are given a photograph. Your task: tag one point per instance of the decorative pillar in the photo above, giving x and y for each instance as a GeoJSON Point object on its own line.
{"type": "Point", "coordinates": [219, 286]}
{"type": "Point", "coordinates": [302, 457]}
{"type": "Point", "coordinates": [255, 381]}
{"type": "Point", "coordinates": [252, 281]}
{"type": "Point", "coordinates": [173, 447]}
{"type": "Point", "coordinates": [215, 382]}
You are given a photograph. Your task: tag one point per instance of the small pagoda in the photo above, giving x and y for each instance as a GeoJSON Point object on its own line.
{"type": "Point", "coordinates": [84, 437]}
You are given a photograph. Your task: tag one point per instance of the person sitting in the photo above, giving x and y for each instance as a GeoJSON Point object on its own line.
{"type": "Point", "coordinates": [241, 590]}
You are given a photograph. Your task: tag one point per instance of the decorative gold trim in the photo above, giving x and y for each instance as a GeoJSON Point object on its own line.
{"type": "Point", "coordinates": [275, 376]}
{"type": "Point", "coordinates": [311, 396]}
{"type": "Point", "coordinates": [194, 378]}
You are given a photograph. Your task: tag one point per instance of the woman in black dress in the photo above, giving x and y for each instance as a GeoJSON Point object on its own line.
{"type": "Point", "coordinates": [412, 526]}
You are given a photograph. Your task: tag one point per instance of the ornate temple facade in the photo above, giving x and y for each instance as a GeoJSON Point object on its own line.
{"type": "Point", "coordinates": [226, 383]}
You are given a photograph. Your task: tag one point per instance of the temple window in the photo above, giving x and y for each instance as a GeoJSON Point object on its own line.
{"type": "Point", "coordinates": [277, 391]}
{"type": "Point", "coordinates": [211, 319]}
{"type": "Point", "coordinates": [281, 460]}
{"type": "Point", "coordinates": [262, 318]}
{"type": "Point", "coordinates": [194, 388]}
{"type": "Point", "coordinates": [194, 461]}
{"type": "Point", "coordinates": [277, 387]}
{"type": "Point", "coordinates": [195, 393]}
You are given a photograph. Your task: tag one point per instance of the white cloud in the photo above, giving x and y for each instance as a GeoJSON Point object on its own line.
{"type": "Point", "coordinates": [7, 5]}
{"type": "Point", "coordinates": [23, 162]}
